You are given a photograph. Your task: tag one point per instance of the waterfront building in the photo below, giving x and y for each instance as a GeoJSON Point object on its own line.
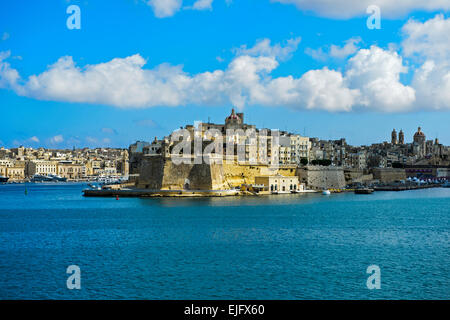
{"type": "Point", "coordinates": [278, 183]}
{"type": "Point", "coordinates": [3, 170]}
{"type": "Point", "coordinates": [69, 170]}
{"type": "Point", "coordinates": [15, 173]}
{"type": "Point", "coordinates": [41, 167]}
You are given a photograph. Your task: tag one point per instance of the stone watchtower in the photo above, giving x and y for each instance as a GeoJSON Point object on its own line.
{"type": "Point", "coordinates": [394, 137]}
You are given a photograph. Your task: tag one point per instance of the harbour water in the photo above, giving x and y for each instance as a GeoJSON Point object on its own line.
{"type": "Point", "coordinates": [272, 247]}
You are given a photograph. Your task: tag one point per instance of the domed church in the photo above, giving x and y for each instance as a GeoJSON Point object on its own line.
{"type": "Point", "coordinates": [419, 137]}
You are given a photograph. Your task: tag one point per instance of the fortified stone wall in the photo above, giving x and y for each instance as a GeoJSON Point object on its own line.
{"type": "Point", "coordinates": [356, 175]}
{"type": "Point", "coordinates": [319, 177]}
{"type": "Point", "coordinates": [387, 175]}
{"type": "Point", "coordinates": [237, 174]}
{"type": "Point", "coordinates": [159, 173]}
{"type": "Point", "coordinates": [151, 171]}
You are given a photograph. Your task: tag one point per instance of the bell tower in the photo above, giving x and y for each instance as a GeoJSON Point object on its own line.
{"type": "Point", "coordinates": [401, 137]}
{"type": "Point", "coordinates": [394, 137]}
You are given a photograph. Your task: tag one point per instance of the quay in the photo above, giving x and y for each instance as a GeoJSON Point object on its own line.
{"type": "Point", "coordinates": [406, 187]}
{"type": "Point", "coordinates": [146, 193]}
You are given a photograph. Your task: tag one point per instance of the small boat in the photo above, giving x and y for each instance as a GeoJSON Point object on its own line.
{"type": "Point", "coordinates": [94, 187]}
{"type": "Point", "coordinates": [326, 192]}
{"type": "Point", "coordinates": [446, 185]}
{"type": "Point", "coordinates": [363, 191]}
{"type": "Point", "coordinates": [3, 179]}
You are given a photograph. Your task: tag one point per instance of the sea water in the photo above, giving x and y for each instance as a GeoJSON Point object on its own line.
{"type": "Point", "coordinates": [299, 246]}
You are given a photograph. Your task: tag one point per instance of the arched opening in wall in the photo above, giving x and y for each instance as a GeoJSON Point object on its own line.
{"type": "Point", "coordinates": [187, 184]}
{"type": "Point", "coordinates": [271, 187]}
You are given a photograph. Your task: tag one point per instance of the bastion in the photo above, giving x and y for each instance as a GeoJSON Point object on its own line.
{"type": "Point", "coordinates": [320, 177]}
{"type": "Point", "coordinates": [387, 175]}
{"type": "Point", "coordinates": [162, 173]}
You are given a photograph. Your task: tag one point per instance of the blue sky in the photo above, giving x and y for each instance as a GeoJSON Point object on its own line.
{"type": "Point", "coordinates": [315, 91]}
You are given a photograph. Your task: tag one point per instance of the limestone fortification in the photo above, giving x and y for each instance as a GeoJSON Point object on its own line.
{"type": "Point", "coordinates": [161, 173]}
{"type": "Point", "coordinates": [319, 177]}
{"type": "Point", "coordinates": [387, 175]}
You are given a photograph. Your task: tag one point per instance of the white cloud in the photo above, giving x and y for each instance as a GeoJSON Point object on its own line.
{"type": "Point", "coordinates": [335, 51]}
{"type": "Point", "coordinates": [317, 54]}
{"type": "Point", "coordinates": [432, 83]}
{"type": "Point", "coordinates": [430, 39]}
{"type": "Point", "coordinates": [56, 139]}
{"type": "Point", "coordinates": [264, 48]}
{"type": "Point", "coordinates": [34, 139]}
{"type": "Point", "coordinates": [8, 76]}
{"type": "Point", "coordinates": [168, 8]}
{"type": "Point", "coordinates": [5, 36]}
{"type": "Point", "coordinates": [371, 81]}
{"type": "Point", "coordinates": [376, 73]}
{"type": "Point", "coordinates": [348, 49]}
{"type": "Point", "coordinates": [325, 89]}
{"type": "Point", "coordinates": [343, 9]}
{"type": "Point", "coordinates": [165, 8]}
{"type": "Point", "coordinates": [202, 5]}
{"type": "Point", "coordinates": [429, 42]}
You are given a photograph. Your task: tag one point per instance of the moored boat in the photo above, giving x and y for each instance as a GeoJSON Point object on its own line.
{"type": "Point", "coordinates": [3, 179]}
{"type": "Point", "coordinates": [49, 178]}
{"type": "Point", "coordinates": [363, 191]}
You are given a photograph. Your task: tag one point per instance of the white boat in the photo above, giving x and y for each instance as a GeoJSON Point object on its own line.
{"type": "Point", "coordinates": [326, 192]}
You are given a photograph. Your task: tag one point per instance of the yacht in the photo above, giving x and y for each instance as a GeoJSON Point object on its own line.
{"type": "Point", "coordinates": [3, 179]}
{"type": "Point", "coordinates": [49, 178]}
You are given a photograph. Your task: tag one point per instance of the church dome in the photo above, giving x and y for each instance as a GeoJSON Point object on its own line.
{"type": "Point", "coordinates": [233, 116]}
{"type": "Point", "coordinates": [419, 133]}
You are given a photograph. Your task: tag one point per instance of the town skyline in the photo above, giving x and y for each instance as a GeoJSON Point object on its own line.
{"type": "Point", "coordinates": [324, 72]}
{"type": "Point", "coordinates": [35, 142]}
